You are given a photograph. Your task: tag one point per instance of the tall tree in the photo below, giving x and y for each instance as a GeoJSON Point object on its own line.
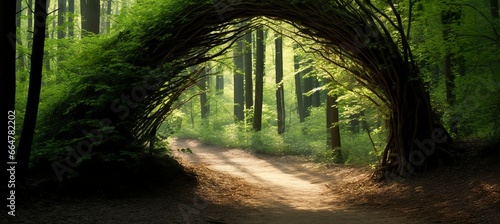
{"type": "Point", "coordinates": [280, 92]}
{"type": "Point", "coordinates": [248, 71]}
{"type": "Point", "coordinates": [18, 25]}
{"type": "Point", "coordinates": [7, 79]}
{"type": "Point", "coordinates": [298, 88]}
{"type": "Point", "coordinates": [26, 141]}
{"type": "Point", "coordinates": [259, 79]}
{"type": "Point", "coordinates": [108, 15]}
{"type": "Point", "coordinates": [202, 83]}
{"type": "Point", "coordinates": [61, 13]}
{"type": "Point", "coordinates": [219, 80]}
{"type": "Point", "coordinates": [238, 77]}
{"type": "Point", "coordinates": [332, 127]}
{"type": "Point", "coordinates": [308, 85]}
{"type": "Point", "coordinates": [71, 10]}
{"type": "Point", "coordinates": [91, 12]}
{"type": "Point", "coordinates": [453, 63]}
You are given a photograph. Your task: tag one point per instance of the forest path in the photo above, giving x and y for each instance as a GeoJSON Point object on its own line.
{"type": "Point", "coordinates": [292, 190]}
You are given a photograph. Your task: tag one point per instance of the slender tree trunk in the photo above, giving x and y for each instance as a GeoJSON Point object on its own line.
{"type": "Point", "coordinates": [30, 24]}
{"type": "Point", "coordinates": [205, 107]}
{"type": "Point", "coordinates": [8, 85]}
{"type": "Point", "coordinates": [280, 92]}
{"type": "Point", "coordinates": [21, 57]}
{"type": "Point", "coordinates": [26, 140]}
{"type": "Point", "coordinates": [108, 17]}
{"type": "Point", "coordinates": [248, 71]}
{"type": "Point", "coordinates": [219, 81]}
{"type": "Point", "coordinates": [61, 30]}
{"type": "Point", "coordinates": [452, 62]}
{"type": "Point", "coordinates": [239, 98]}
{"type": "Point", "coordinates": [316, 96]}
{"type": "Point", "coordinates": [298, 89]}
{"type": "Point", "coordinates": [308, 86]}
{"type": "Point", "coordinates": [259, 79]}
{"type": "Point", "coordinates": [71, 10]}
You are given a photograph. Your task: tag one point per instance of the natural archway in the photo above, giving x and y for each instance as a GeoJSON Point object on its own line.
{"type": "Point", "coordinates": [137, 90]}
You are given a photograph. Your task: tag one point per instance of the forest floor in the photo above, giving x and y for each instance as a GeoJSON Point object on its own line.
{"type": "Point", "coordinates": [236, 186]}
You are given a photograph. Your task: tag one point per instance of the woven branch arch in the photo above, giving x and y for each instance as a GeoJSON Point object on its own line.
{"type": "Point", "coordinates": [352, 34]}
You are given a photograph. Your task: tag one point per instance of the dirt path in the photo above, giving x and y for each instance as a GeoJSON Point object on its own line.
{"type": "Point", "coordinates": [291, 191]}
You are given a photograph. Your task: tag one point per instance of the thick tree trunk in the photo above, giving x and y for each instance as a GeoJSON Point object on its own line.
{"type": "Point", "coordinates": [332, 127]}
{"type": "Point", "coordinates": [259, 80]}
{"type": "Point", "coordinates": [280, 92]}
{"type": "Point", "coordinates": [8, 87]}
{"type": "Point", "coordinates": [26, 140]}
{"type": "Point", "coordinates": [238, 77]}
{"type": "Point", "coordinates": [91, 11]}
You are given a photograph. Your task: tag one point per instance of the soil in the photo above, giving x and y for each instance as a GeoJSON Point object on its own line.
{"type": "Point", "coordinates": [237, 186]}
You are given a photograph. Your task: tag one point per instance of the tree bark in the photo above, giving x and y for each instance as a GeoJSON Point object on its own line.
{"type": "Point", "coordinates": [71, 10]}
{"type": "Point", "coordinates": [205, 107]}
{"type": "Point", "coordinates": [238, 77]}
{"type": "Point", "coordinates": [298, 89]}
{"type": "Point", "coordinates": [259, 80]}
{"type": "Point", "coordinates": [26, 140]}
{"type": "Point", "coordinates": [248, 71]}
{"type": "Point", "coordinates": [280, 92]}
{"type": "Point", "coordinates": [332, 127]}
{"type": "Point", "coordinates": [91, 11]}
{"type": "Point", "coordinates": [61, 29]}
{"type": "Point", "coordinates": [219, 81]}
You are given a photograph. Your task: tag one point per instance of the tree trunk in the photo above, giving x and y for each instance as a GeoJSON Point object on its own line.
{"type": "Point", "coordinates": [91, 11]}
{"type": "Point", "coordinates": [26, 140]}
{"type": "Point", "coordinates": [8, 86]}
{"type": "Point", "coordinates": [280, 92]}
{"type": "Point", "coordinates": [61, 29]}
{"type": "Point", "coordinates": [452, 62]}
{"type": "Point", "coordinates": [332, 127]}
{"type": "Point", "coordinates": [71, 10]}
{"type": "Point", "coordinates": [219, 81]}
{"type": "Point", "coordinates": [239, 98]}
{"type": "Point", "coordinates": [205, 107]}
{"type": "Point", "coordinates": [21, 57]}
{"type": "Point", "coordinates": [308, 86]}
{"type": "Point", "coordinates": [316, 96]}
{"type": "Point", "coordinates": [298, 89]}
{"type": "Point", "coordinates": [108, 13]}
{"type": "Point", "coordinates": [259, 80]}
{"type": "Point", "coordinates": [248, 71]}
